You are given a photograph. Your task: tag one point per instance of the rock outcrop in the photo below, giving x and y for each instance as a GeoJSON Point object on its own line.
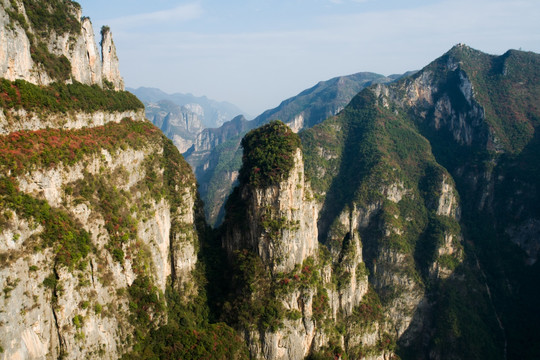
{"type": "Point", "coordinates": [311, 290]}
{"type": "Point", "coordinates": [109, 60]}
{"type": "Point", "coordinates": [75, 43]}
{"type": "Point", "coordinates": [281, 223]}
{"type": "Point", "coordinates": [179, 123]}
{"type": "Point", "coordinates": [17, 120]}
{"type": "Point", "coordinates": [211, 158]}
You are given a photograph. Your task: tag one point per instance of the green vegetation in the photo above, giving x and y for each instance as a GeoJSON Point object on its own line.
{"type": "Point", "coordinates": [331, 351]}
{"type": "Point", "coordinates": [145, 303]}
{"type": "Point", "coordinates": [346, 162]}
{"type": "Point", "coordinates": [50, 281]}
{"type": "Point", "coordinates": [252, 304]}
{"type": "Point", "coordinates": [507, 87]}
{"type": "Point", "coordinates": [112, 205]}
{"type": "Point", "coordinates": [268, 154]}
{"type": "Point", "coordinates": [187, 334]}
{"type": "Point", "coordinates": [105, 29]}
{"type": "Point", "coordinates": [356, 159]}
{"type": "Point", "coordinates": [98, 308]}
{"type": "Point", "coordinates": [53, 16]}
{"type": "Point", "coordinates": [369, 311]}
{"type": "Point", "coordinates": [379, 166]}
{"type": "Point", "coordinates": [25, 150]}
{"type": "Point", "coordinates": [61, 98]}
{"type": "Point", "coordinates": [70, 242]}
{"type": "Point", "coordinates": [78, 321]}
{"type": "Point", "coordinates": [216, 341]}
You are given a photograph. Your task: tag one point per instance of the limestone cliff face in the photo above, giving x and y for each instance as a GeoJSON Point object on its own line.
{"type": "Point", "coordinates": [109, 59]}
{"type": "Point", "coordinates": [315, 289]}
{"type": "Point", "coordinates": [15, 58]}
{"type": "Point", "coordinates": [281, 222]}
{"type": "Point", "coordinates": [54, 310]}
{"type": "Point", "coordinates": [97, 221]}
{"type": "Point", "coordinates": [77, 45]}
{"type": "Point", "coordinates": [12, 120]}
{"type": "Point", "coordinates": [447, 103]}
{"type": "Point", "coordinates": [86, 63]}
{"type": "Point", "coordinates": [179, 123]}
{"type": "Point", "coordinates": [210, 138]}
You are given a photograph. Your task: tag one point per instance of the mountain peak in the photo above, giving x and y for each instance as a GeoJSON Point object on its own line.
{"type": "Point", "coordinates": [463, 52]}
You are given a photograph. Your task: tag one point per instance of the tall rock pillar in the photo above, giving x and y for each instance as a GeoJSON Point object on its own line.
{"type": "Point", "coordinates": [109, 59]}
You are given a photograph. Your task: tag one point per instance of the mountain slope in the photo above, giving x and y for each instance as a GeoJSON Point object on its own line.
{"type": "Point", "coordinates": [407, 225]}
{"type": "Point", "coordinates": [474, 117]}
{"type": "Point", "coordinates": [179, 124]}
{"type": "Point", "coordinates": [318, 103]}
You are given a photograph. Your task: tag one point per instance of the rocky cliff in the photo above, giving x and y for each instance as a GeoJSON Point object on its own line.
{"type": "Point", "coordinates": [98, 210]}
{"type": "Point", "coordinates": [404, 226]}
{"type": "Point", "coordinates": [212, 113]}
{"type": "Point", "coordinates": [80, 232]}
{"type": "Point", "coordinates": [426, 237]}
{"type": "Point", "coordinates": [423, 163]}
{"type": "Point", "coordinates": [53, 42]}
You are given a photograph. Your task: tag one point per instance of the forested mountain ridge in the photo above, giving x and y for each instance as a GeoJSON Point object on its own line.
{"type": "Point", "coordinates": [474, 117]}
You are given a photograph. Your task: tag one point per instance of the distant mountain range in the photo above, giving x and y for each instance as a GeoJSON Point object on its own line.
{"type": "Point", "coordinates": [212, 113]}
{"type": "Point", "coordinates": [183, 116]}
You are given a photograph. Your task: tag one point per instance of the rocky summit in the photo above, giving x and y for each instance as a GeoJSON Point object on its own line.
{"type": "Point", "coordinates": [403, 224]}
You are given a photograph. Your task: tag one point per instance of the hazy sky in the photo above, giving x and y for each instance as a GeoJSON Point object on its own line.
{"type": "Point", "coordinates": [257, 53]}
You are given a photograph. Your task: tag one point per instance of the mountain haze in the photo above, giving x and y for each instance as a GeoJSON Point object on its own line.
{"type": "Point", "coordinates": [212, 113]}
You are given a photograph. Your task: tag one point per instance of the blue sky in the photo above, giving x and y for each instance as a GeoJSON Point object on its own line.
{"type": "Point", "coordinates": [257, 53]}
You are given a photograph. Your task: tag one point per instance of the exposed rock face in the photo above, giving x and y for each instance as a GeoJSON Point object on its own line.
{"type": "Point", "coordinates": [179, 123]}
{"type": "Point", "coordinates": [85, 314]}
{"type": "Point", "coordinates": [310, 107]}
{"type": "Point", "coordinates": [97, 223]}
{"type": "Point", "coordinates": [15, 59]}
{"type": "Point", "coordinates": [18, 120]}
{"type": "Point", "coordinates": [281, 224]}
{"type": "Point", "coordinates": [80, 49]}
{"type": "Point", "coordinates": [318, 290]}
{"type": "Point", "coordinates": [109, 59]}
{"type": "Point", "coordinates": [86, 63]}
{"type": "Point", "coordinates": [210, 138]}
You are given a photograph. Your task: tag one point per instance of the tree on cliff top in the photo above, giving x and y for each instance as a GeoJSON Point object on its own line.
{"type": "Point", "coordinates": [268, 154]}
